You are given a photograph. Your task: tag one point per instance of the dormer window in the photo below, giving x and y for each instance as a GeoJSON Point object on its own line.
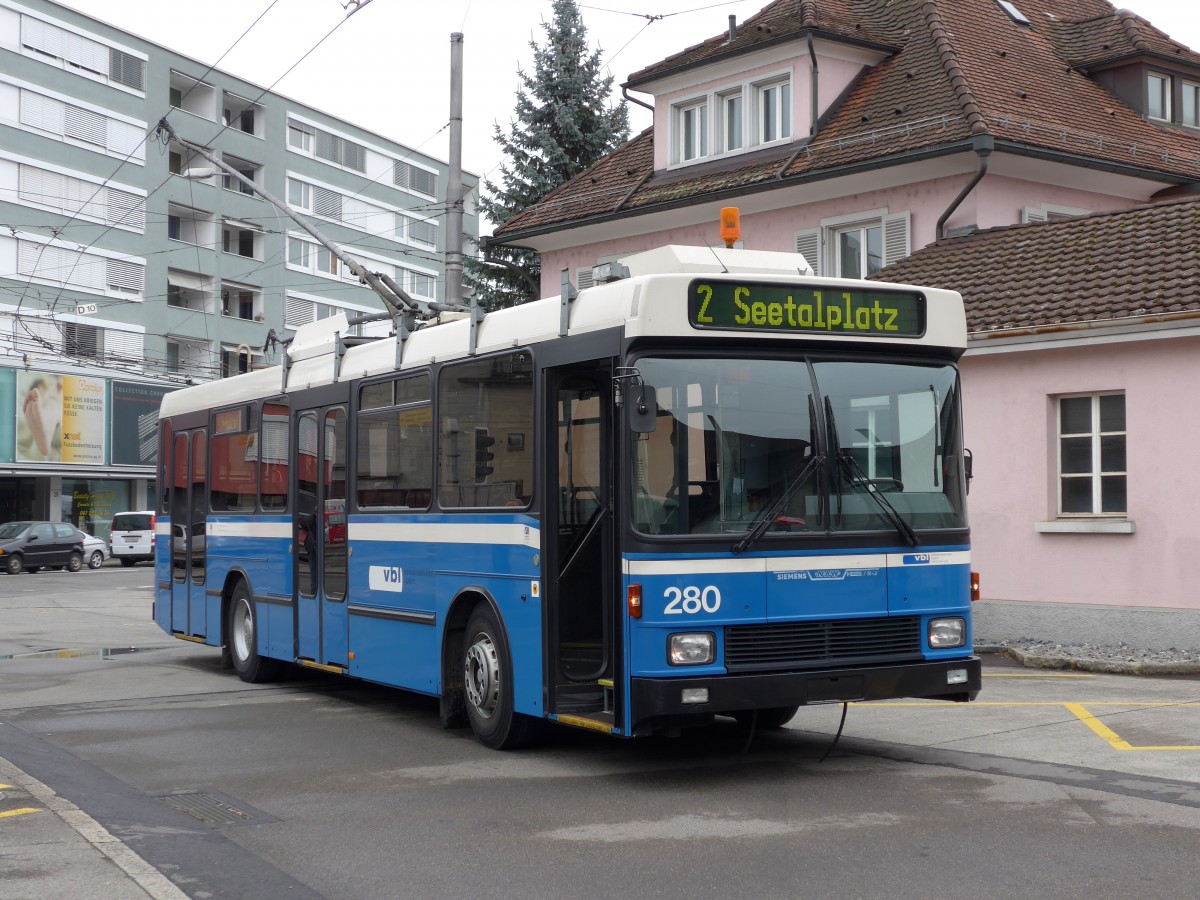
{"type": "Point", "coordinates": [693, 130]}
{"type": "Point", "coordinates": [1158, 96]}
{"type": "Point", "coordinates": [774, 104]}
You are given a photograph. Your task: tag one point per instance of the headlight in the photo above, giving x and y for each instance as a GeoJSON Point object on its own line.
{"type": "Point", "coordinates": [947, 632]}
{"type": "Point", "coordinates": [690, 649]}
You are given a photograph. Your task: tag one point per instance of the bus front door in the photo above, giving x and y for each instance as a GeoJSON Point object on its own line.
{"type": "Point", "coordinates": [189, 502]}
{"type": "Point", "coordinates": [580, 545]}
{"type": "Point", "coordinates": [320, 537]}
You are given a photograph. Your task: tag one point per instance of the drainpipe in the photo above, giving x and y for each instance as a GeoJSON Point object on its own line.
{"type": "Point", "coordinates": [812, 55]}
{"type": "Point", "coordinates": [983, 145]}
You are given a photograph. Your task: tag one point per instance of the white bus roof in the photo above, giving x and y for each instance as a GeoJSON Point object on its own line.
{"type": "Point", "coordinates": [651, 302]}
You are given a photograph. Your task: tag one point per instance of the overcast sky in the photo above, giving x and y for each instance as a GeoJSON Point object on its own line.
{"type": "Point", "coordinates": [387, 67]}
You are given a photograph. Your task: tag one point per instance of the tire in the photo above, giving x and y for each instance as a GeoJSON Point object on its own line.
{"type": "Point", "coordinates": [768, 719]}
{"type": "Point", "coordinates": [96, 560]}
{"type": "Point", "coordinates": [14, 565]}
{"type": "Point", "coordinates": [75, 563]}
{"type": "Point", "coordinates": [241, 637]}
{"type": "Point", "coordinates": [487, 684]}
{"type": "Point", "coordinates": [127, 562]}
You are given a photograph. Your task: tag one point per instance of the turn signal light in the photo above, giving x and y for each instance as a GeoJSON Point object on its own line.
{"type": "Point", "coordinates": [974, 586]}
{"type": "Point", "coordinates": [634, 597]}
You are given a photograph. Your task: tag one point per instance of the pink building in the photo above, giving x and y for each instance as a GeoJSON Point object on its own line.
{"type": "Point", "coordinates": [860, 131]}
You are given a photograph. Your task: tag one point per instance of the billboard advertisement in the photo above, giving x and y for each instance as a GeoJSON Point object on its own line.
{"type": "Point", "coordinates": [135, 423]}
{"type": "Point", "coordinates": [59, 419]}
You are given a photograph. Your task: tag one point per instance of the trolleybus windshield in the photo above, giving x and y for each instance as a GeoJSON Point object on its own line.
{"type": "Point", "coordinates": [735, 439]}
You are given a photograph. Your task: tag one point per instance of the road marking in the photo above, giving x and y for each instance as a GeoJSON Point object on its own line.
{"type": "Point", "coordinates": [148, 878]}
{"type": "Point", "coordinates": [10, 813]}
{"type": "Point", "coordinates": [1078, 710]}
{"type": "Point", "coordinates": [1035, 675]}
{"type": "Point", "coordinates": [1111, 736]}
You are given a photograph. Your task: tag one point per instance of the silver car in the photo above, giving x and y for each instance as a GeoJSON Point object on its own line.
{"type": "Point", "coordinates": [95, 550]}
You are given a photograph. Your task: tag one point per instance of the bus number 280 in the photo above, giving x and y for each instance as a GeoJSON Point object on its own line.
{"type": "Point", "coordinates": [691, 600]}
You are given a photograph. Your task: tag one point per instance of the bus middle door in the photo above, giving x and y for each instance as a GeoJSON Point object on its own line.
{"type": "Point", "coordinates": [320, 537]}
{"type": "Point", "coordinates": [584, 667]}
{"type": "Point", "coordinates": [189, 538]}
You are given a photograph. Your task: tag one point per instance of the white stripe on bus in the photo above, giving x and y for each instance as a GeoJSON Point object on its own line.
{"type": "Point", "coordinates": [791, 563]}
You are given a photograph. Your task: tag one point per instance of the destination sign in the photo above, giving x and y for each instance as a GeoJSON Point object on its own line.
{"type": "Point", "coordinates": [790, 308]}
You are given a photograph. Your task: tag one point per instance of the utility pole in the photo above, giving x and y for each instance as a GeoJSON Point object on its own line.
{"type": "Point", "coordinates": [454, 190]}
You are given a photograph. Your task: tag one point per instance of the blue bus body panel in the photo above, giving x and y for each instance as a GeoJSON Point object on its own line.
{"type": "Point", "coordinates": [693, 594]}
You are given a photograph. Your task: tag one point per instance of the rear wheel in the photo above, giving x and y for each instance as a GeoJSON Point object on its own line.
{"type": "Point", "coordinates": [126, 561]}
{"type": "Point", "coordinates": [768, 719]}
{"type": "Point", "coordinates": [96, 560]}
{"type": "Point", "coordinates": [15, 565]}
{"type": "Point", "coordinates": [242, 640]}
{"type": "Point", "coordinates": [487, 684]}
{"type": "Point", "coordinates": [75, 563]}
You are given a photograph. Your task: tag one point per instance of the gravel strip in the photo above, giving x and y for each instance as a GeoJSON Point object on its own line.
{"type": "Point", "coordinates": [1119, 659]}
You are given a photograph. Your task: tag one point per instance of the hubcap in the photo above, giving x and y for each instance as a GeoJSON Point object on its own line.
{"type": "Point", "coordinates": [243, 630]}
{"type": "Point", "coordinates": [482, 675]}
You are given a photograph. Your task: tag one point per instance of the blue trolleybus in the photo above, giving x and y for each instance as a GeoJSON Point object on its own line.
{"type": "Point", "coordinates": [705, 485]}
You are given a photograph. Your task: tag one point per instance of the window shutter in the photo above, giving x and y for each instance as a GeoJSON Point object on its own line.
{"type": "Point", "coordinates": [299, 312]}
{"type": "Point", "coordinates": [124, 276]}
{"type": "Point", "coordinates": [808, 244]}
{"type": "Point", "coordinates": [327, 146]}
{"type": "Point", "coordinates": [41, 187]}
{"type": "Point", "coordinates": [1032, 214]}
{"type": "Point", "coordinates": [896, 244]}
{"type": "Point", "coordinates": [126, 344]}
{"type": "Point", "coordinates": [85, 198]}
{"type": "Point", "coordinates": [127, 140]}
{"type": "Point", "coordinates": [327, 203]}
{"type": "Point", "coordinates": [42, 112]}
{"type": "Point", "coordinates": [85, 125]}
{"type": "Point", "coordinates": [400, 176]}
{"type": "Point", "coordinates": [354, 156]}
{"type": "Point", "coordinates": [85, 53]}
{"type": "Point", "coordinates": [41, 36]}
{"type": "Point", "coordinates": [126, 209]}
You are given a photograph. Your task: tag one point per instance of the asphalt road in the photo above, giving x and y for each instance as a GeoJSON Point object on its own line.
{"type": "Point", "coordinates": [155, 773]}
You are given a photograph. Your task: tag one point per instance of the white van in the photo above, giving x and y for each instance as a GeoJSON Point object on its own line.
{"type": "Point", "coordinates": [132, 537]}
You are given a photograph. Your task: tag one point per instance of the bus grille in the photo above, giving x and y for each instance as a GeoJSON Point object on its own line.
{"type": "Point", "coordinates": [806, 645]}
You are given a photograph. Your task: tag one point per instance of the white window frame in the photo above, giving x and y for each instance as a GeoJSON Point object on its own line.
{"type": "Point", "coordinates": [725, 116]}
{"type": "Point", "coordinates": [863, 228]}
{"type": "Point", "coordinates": [1097, 473]}
{"type": "Point", "coordinates": [777, 92]}
{"type": "Point", "coordinates": [690, 119]}
{"type": "Point", "coordinates": [1164, 91]}
{"type": "Point", "coordinates": [73, 39]}
{"type": "Point", "coordinates": [1189, 115]}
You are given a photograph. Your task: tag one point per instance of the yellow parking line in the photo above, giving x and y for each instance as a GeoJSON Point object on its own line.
{"type": "Point", "coordinates": [1111, 736]}
{"type": "Point", "coordinates": [1036, 675]}
{"type": "Point", "coordinates": [8, 814]}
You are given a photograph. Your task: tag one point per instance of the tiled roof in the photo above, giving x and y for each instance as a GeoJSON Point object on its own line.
{"type": "Point", "coordinates": [961, 68]}
{"type": "Point", "coordinates": [1140, 262]}
{"type": "Point", "coordinates": [1093, 42]}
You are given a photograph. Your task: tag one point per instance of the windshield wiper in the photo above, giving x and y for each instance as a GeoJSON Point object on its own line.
{"type": "Point", "coordinates": [767, 518]}
{"type": "Point", "coordinates": [857, 476]}
{"type": "Point", "coordinates": [846, 463]}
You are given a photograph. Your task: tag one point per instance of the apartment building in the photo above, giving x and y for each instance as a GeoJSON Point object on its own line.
{"type": "Point", "coordinates": [130, 265]}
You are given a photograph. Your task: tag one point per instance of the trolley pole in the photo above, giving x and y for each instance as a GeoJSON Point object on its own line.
{"type": "Point", "coordinates": [454, 190]}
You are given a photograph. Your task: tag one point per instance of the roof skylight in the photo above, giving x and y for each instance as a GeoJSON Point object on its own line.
{"type": "Point", "coordinates": [1013, 13]}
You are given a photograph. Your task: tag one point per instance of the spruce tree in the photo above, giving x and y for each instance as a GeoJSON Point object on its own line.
{"type": "Point", "coordinates": [563, 122]}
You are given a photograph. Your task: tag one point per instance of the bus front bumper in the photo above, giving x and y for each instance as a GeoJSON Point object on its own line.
{"type": "Point", "coordinates": [957, 680]}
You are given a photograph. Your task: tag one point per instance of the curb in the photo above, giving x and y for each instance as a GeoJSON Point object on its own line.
{"type": "Point", "coordinates": [1111, 667]}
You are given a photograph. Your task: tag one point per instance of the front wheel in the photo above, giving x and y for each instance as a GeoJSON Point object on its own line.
{"type": "Point", "coordinates": [75, 563]}
{"type": "Point", "coordinates": [15, 565]}
{"type": "Point", "coordinates": [242, 639]}
{"type": "Point", "coordinates": [96, 560]}
{"type": "Point", "coordinates": [487, 684]}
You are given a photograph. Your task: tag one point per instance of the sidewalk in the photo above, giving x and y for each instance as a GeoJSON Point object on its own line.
{"type": "Point", "coordinates": [1089, 634]}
